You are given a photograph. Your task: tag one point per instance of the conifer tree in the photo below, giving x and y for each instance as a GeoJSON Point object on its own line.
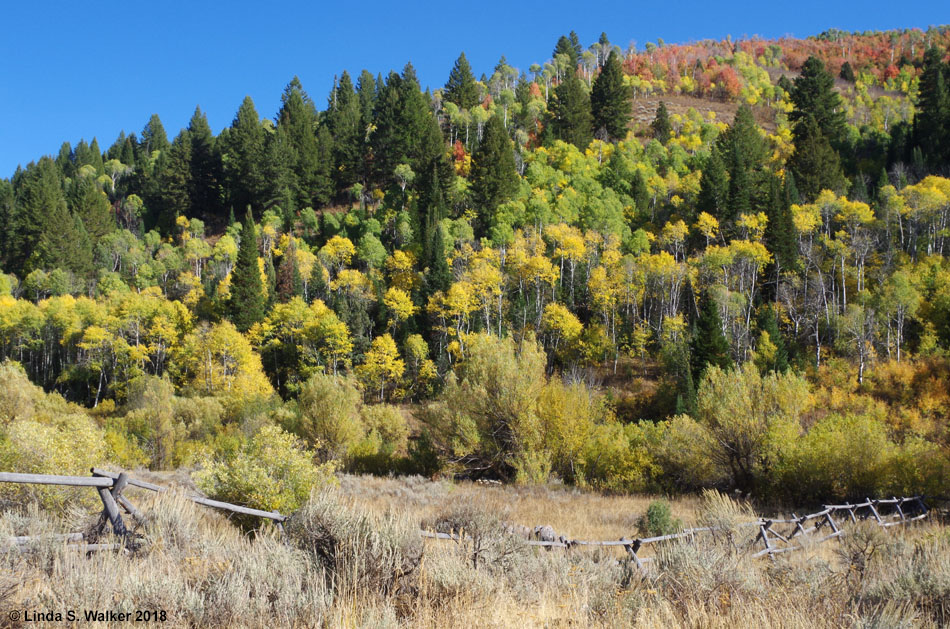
{"type": "Point", "coordinates": [714, 187]}
{"type": "Point", "coordinates": [39, 195]}
{"type": "Point", "coordinates": [343, 122]}
{"type": "Point", "coordinates": [460, 88]}
{"type": "Point", "coordinates": [298, 118]}
{"type": "Point", "coordinates": [565, 46]}
{"type": "Point", "coordinates": [246, 304]}
{"type": "Point", "coordinates": [205, 182]}
{"type": "Point", "coordinates": [6, 222]}
{"type": "Point", "coordinates": [92, 206]}
{"type": "Point", "coordinates": [438, 275]}
{"type": "Point", "coordinates": [168, 185]}
{"type": "Point", "coordinates": [662, 129]}
{"type": "Point", "coordinates": [154, 137]}
{"type": "Point", "coordinates": [780, 235]}
{"type": "Point", "coordinates": [767, 323]}
{"type": "Point", "coordinates": [570, 119]}
{"type": "Point", "coordinates": [289, 282]}
{"type": "Point", "coordinates": [64, 160]}
{"type": "Point", "coordinates": [494, 175]}
{"type": "Point", "coordinates": [708, 345]}
{"type": "Point", "coordinates": [932, 122]}
{"type": "Point", "coordinates": [814, 97]}
{"type": "Point", "coordinates": [847, 72]}
{"type": "Point", "coordinates": [814, 163]}
{"type": "Point", "coordinates": [610, 100]}
{"type": "Point", "coordinates": [243, 150]}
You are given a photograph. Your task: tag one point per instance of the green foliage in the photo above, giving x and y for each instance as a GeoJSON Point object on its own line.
{"type": "Point", "coordinates": [570, 115]}
{"type": "Point", "coordinates": [246, 304]}
{"type": "Point", "coordinates": [460, 88]}
{"type": "Point", "coordinates": [610, 100]}
{"type": "Point", "coordinates": [272, 471]}
{"type": "Point", "coordinates": [658, 520]}
{"type": "Point", "coordinates": [662, 129]}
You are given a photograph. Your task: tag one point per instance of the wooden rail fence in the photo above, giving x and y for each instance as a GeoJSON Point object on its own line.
{"type": "Point", "coordinates": [774, 538]}
{"type": "Point", "coordinates": [885, 513]}
{"type": "Point", "coordinates": [110, 487]}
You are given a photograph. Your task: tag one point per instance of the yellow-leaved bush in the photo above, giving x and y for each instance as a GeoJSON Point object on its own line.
{"type": "Point", "coordinates": [272, 471]}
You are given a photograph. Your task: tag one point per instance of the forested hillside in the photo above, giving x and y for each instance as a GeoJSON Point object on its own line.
{"type": "Point", "coordinates": [711, 264]}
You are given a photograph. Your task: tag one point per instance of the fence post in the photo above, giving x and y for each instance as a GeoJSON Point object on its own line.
{"type": "Point", "coordinates": [632, 546]}
{"type": "Point", "coordinates": [900, 511]}
{"type": "Point", "coordinates": [110, 511]}
{"type": "Point", "coordinates": [877, 516]}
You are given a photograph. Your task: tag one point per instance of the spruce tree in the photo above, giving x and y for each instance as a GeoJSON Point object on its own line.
{"type": "Point", "coordinates": [662, 129]}
{"type": "Point", "coordinates": [780, 234]}
{"type": "Point", "coordinates": [246, 304]}
{"type": "Point", "coordinates": [932, 122]}
{"type": "Point", "coordinates": [814, 163]}
{"type": "Point", "coordinates": [343, 122]}
{"type": "Point", "coordinates": [298, 118]}
{"type": "Point", "coordinates": [64, 160]}
{"type": "Point", "coordinates": [814, 96]}
{"type": "Point", "coordinates": [610, 100]}
{"type": "Point", "coordinates": [494, 175]}
{"type": "Point", "coordinates": [154, 137]}
{"type": "Point", "coordinates": [92, 206]}
{"type": "Point", "coordinates": [167, 187]}
{"type": "Point", "coordinates": [570, 119]}
{"type": "Point", "coordinates": [767, 323]}
{"type": "Point", "coordinates": [714, 187]}
{"type": "Point", "coordinates": [566, 47]}
{"type": "Point", "coordinates": [243, 151]}
{"type": "Point", "coordinates": [38, 196]}
{"type": "Point", "coordinates": [708, 345]}
{"type": "Point", "coordinates": [205, 182]}
{"type": "Point", "coordinates": [847, 73]}
{"type": "Point", "coordinates": [460, 88]}
{"type": "Point", "coordinates": [6, 223]}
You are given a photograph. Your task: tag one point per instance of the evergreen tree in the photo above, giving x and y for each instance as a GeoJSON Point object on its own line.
{"type": "Point", "coordinates": [92, 206]}
{"type": "Point", "coordinates": [847, 73]}
{"type": "Point", "coordinates": [662, 129]}
{"type": "Point", "coordinates": [814, 163]}
{"type": "Point", "coordinates": [205, 183]}
{"type": "Point", "coordinates": [366, 89]}
{"type": "Point", "coordinates": [813, 96]}
{"type": "Point", "coordinates": [280, 179]}
{"type": "Point", "coordinates": [460, 88]}
{"type": "Point", "coordinates": [494, 175]}
{"type": "Point", "coordinates": [565, 46]}
{"type": "Point", "coordinates": [243, 152]}
{"type": "Point", "coordinates": [780, 234]}
{"type": "Point", "coordinates": [708, 345]}
{"type": "Point", "coordinates": [714, 187]}
{"type": "Point", "coordinates": [271, 274]}
{"type": "Point", "coordinates": [64, 160]}
{"type": "Point", "coordinates": [246, 304]}
{"type": "Point", "coordinates": [298, 118]}
{"type": "Point", "coordinates": [570, 119]}
{"type": "Point", "coordinates": [343, 122]}
{"type": "Point", "coordinates": [38, 195]}
{"type": "Point", "coordinates": [289, 282]}
{"type": "Point", "coordinates": [932, 122]}
{"type": "Point", "coordinates": [6, 223]}
{"type": "Point", "coordinates": [438, 276]}
{"type": "Point", "coordinates": [744, 154]}
{"type": "Point", "coordinates": [167, 188]}
{"type": "Point", "coordinates": [767, 323]}
{"type": "Point", "coordinates": [154, 137]}
{"type": "Point", "coordinates": [610, 100]}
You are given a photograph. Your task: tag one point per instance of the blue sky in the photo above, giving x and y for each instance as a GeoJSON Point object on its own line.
{"type": "Point", "coordinates": [77, 70]}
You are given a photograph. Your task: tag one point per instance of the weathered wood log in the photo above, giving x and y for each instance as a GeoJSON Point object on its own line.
{"type": "Point", "coordinates": [50, 479]}
{"type": "Point", "coordinates": [111, 512]}
{"type": "Point", "coordinates": [32, 539]}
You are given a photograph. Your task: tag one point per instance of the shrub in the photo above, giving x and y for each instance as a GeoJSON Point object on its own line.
{"type": "Point", "coordinates": [272, 472]}
{"type": "Point", "coordinates": [658, 520]}
{"type": "Point", "coordinates": [359, 552]}
{"type": "Point", "coordinates": [329, 415]}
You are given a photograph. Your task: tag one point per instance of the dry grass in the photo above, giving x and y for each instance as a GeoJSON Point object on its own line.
{"type": "Point", "coordinates": [351, 558]}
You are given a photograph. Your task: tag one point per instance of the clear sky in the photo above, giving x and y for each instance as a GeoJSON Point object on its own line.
{"type": "Point", "coordinates": [74, 70]}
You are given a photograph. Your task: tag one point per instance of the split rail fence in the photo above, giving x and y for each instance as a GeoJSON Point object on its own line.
{"type": "Point", "coordinates": [776, 535]}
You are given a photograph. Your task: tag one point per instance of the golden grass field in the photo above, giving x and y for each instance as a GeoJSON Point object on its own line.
{"type": "Point", "coordinates": [352, 557]}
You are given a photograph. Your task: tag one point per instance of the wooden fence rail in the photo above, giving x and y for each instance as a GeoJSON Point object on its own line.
{"type": "Point", "coordinates": [110, 487]}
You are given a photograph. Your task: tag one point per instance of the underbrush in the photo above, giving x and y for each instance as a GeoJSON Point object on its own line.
{"type": "Point", "coordinates": [353, 556]}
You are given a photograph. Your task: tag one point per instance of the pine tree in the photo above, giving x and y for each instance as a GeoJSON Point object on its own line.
{"type": "Point", "coordinates": [38, 194]}
{"type": "Point", "coordinates": [6, 222]}
{"type": "Point", "coordinates": [343, 122]}
{"type": "Point", "coordinates": [154, 137]}
{"type": "Point", "coordinates": [780, 234]}
{"type": "Point", "coordinates": [610, 100]}
{"type": "Point", "coordinates": [814, 163]}
{"type": "Point", "coordinates": [708, 345]}
{"type": "Point", "coordinates": [814, 97]}
{"type": "Point", "coordinates": [298, 118]}
{"type": "Point", "coordinates": [932, 122]}
{"type": "Point", "coordinates": [744, 154]}
{"type": "Point", "coordinates": [243, 152]}
{"type": "Point", "coordinates": [92, 206]}
{"type": "Point", "coordinates": [662, 129]}
{"type": "Point", "coordinates": [246, 304]}
{"type": "Point", "coordinates": [570, 119]}
{"type": "Point", "coordinates": [64, 160]}
{"type": "Point", "coordinates": [714, 187]}
{"type": "Point", "coordinates": [167, 188]}
{"type": "Point", "coordinates": [460, 88]}
{"type": "Point", "coordinates": [847, 73]}
{"type": "Point", "coordinates": [565, 46]}
{"type": "Point", "coordinates": [767, 323]}
{"type": "Point", "coordinates": [205, 183]}
{"type": "Point", "coordinates": [494, 175]}
{"type": "Point", "coordinates": [438, 275]}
